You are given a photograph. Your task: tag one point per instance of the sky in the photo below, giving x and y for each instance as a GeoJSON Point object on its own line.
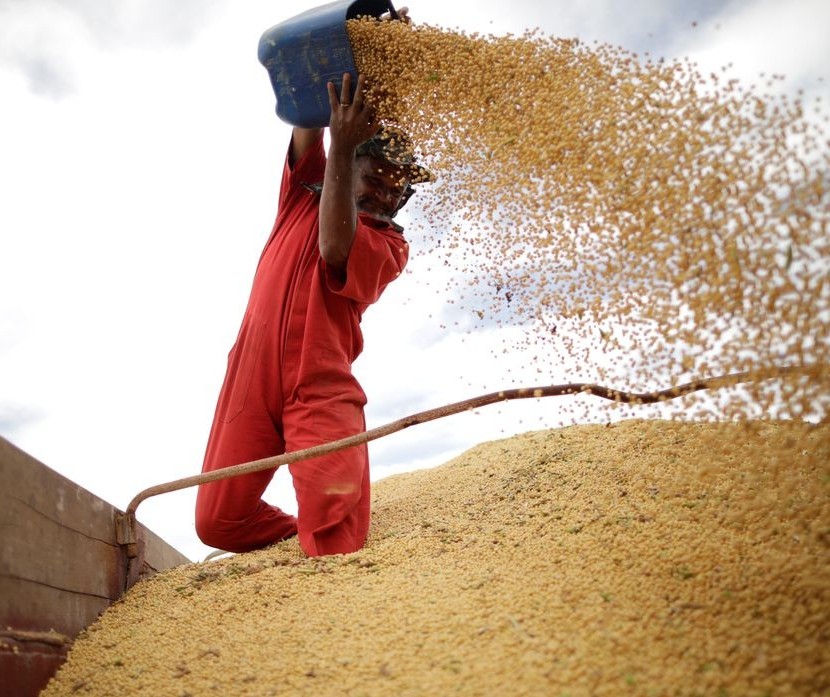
{"type": "Point", "coordinates": [140, 159]}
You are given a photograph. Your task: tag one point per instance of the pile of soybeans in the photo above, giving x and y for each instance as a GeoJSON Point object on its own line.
{"type": "Point", "coordinates": [641, 223]}
{"type": "Point", "coordinates": [642, 558]}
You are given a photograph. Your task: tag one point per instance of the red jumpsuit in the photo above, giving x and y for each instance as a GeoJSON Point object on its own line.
{"type": "Point", "coordinates": [289, 383]}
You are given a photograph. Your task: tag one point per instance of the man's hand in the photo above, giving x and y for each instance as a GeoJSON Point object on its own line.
{"type": "Point", "coordinates": [350, 123]}
{"type": "Point", "coordinates": [403, 15]}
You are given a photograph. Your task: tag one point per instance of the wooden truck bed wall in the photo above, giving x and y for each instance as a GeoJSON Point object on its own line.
{"type": "Point", "coordinates": [60, 567]}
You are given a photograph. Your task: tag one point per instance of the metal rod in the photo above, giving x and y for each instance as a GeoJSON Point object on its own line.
{"type": "Point", "coordinates": [620, 396]}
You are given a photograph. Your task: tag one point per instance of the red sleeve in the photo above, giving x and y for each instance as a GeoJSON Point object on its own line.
{"type": "Point", "coordinates": [309, 169]}
{"type": "Point", "coordinates": [377, 258]}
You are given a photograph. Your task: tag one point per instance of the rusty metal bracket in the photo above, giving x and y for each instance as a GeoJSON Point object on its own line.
{"type": "Point", "coordinates": [125, 532]}
{"type": "Point", "coordinates": [126, 535]}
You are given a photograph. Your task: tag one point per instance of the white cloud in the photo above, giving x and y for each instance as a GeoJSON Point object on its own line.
{"type": "Point", "coordinates": [763, 36]}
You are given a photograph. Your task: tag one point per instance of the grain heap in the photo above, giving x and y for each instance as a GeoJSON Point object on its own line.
{"type": "Point", "coordinates": [645, 558]}
{"type": "Point", "coordinates": [642, 222]}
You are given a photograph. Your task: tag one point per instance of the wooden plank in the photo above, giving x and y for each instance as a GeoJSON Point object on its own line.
{"type": "Point", "coordinates": [60, 567]}
{"type": "Point", "coordinates": [39, 541]}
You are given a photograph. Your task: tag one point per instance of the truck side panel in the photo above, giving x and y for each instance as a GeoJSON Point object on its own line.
{"type": "Point", "coordinates": [60, 567]}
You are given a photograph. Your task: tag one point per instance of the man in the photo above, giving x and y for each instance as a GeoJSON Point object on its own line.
{"type": "Point", "coordinates": [289, 384]}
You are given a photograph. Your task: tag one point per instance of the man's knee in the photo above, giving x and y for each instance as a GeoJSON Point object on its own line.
{"type": "Point", "coordinates": [215, 525]}
{"type": "Point", "coordinates": [211, 532]}
{"type": "Point", "coordinates": [243, 530]}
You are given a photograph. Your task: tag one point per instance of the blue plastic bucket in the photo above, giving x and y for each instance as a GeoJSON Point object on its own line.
{"type": "Point", "coordinates": [305, 52]}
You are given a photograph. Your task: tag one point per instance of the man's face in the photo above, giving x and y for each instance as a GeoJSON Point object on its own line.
{"type": "Point", "coordinates": [379, 187]}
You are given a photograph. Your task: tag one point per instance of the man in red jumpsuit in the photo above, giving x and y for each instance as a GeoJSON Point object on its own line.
{"type": "Point", "coordinates": [289, 383]}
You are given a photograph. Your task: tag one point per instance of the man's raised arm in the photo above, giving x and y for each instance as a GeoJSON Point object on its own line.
{"type": "Point", "coordinates": [350, 124]}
